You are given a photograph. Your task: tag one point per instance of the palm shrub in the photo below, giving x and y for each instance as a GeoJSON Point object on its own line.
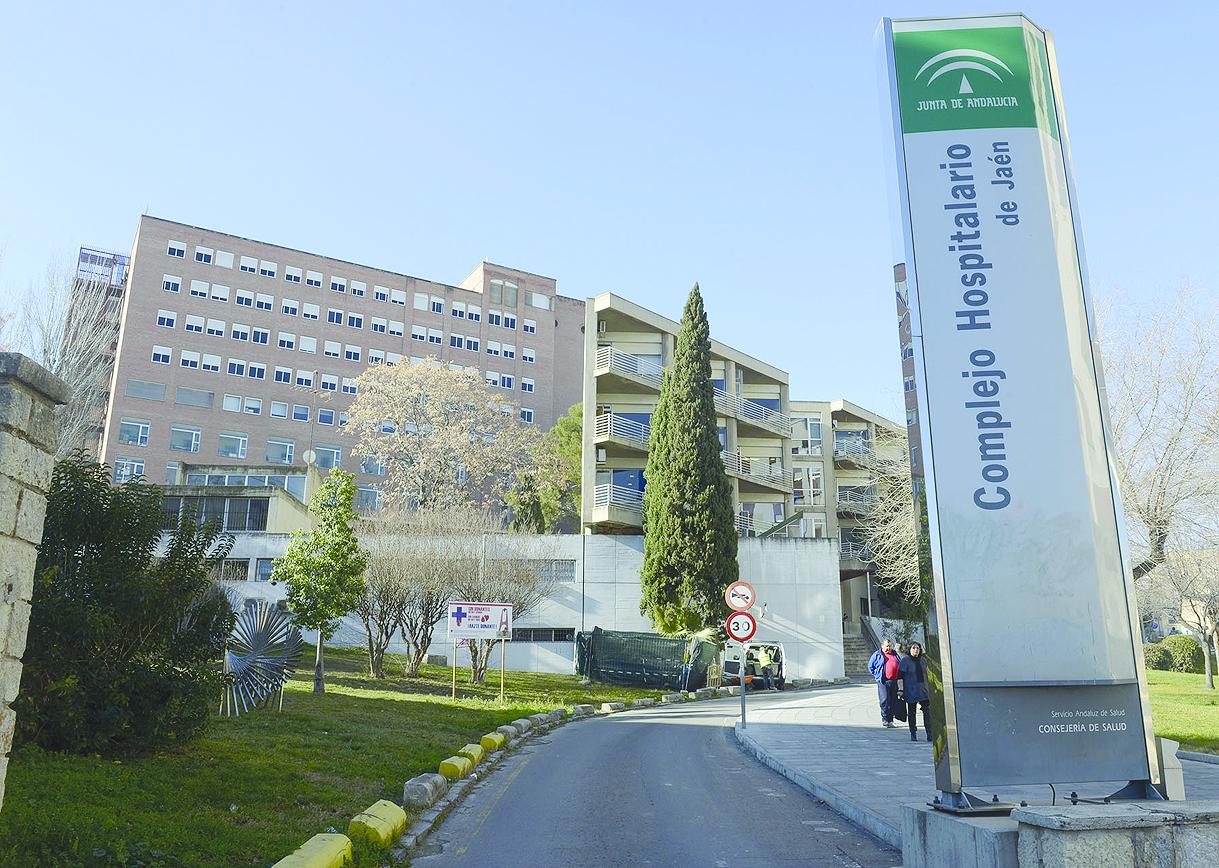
{"type": "Point", "coordinates": [124, 644]}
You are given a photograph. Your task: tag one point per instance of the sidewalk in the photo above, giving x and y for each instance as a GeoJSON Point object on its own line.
{"type": "Point", "coordinates": [830, 742]}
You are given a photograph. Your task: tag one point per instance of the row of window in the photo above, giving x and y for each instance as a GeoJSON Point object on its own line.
{"type": "Point", "coordinates": [212, 363]}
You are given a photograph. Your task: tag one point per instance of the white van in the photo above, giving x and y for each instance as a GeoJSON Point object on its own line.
{"type": "Point", "coordinates": [753, 678]}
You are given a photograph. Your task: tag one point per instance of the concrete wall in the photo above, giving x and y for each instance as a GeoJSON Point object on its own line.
{"type": "Point", "coordinates": [28, 431]}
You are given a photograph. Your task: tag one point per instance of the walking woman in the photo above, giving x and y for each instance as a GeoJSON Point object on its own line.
{"type": "Point", "coordinates": [914, 687]}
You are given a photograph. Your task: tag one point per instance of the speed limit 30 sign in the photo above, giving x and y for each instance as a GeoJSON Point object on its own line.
{"type": "Point", "coordinates": [741, 626]}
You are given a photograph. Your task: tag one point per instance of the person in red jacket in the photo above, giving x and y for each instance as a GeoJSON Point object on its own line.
{"type": "Point", "coordinates": [885, 667]}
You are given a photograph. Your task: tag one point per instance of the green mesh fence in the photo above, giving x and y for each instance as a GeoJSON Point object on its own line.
{"type": "Point", "coordinates": [642, 659]}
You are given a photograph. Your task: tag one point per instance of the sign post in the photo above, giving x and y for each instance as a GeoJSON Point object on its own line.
{"type": "Point", "coordinates": [1034, 639]}
{"type": "Point", "coordinates": [470, 622]}
{"type": "Point", "coordinates": [741, 626]}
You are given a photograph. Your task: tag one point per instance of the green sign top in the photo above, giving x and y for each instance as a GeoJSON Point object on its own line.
{"type": "Point", "coordinates": [973, 78]}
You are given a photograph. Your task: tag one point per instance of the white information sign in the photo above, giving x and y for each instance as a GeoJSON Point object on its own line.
{"type": "Point", "coordinates": [479, 620]}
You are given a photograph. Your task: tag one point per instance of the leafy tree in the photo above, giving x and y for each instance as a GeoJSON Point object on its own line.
{"type": "Point", "coordinates": [546, 496]}
{"type": "Point", "coordinates": [690, 539]}
{"type": "Point", "coordinates": [123, 643]}
{"type": "Point", "coordinates": [324, 566]}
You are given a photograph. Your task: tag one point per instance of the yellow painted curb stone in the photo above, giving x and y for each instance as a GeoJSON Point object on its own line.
{"type": "Point", "coordinates": [327, 850]}
{"type": "Point", "coordinates": [472, 752]}
{"type": "Point", "coordinates": [456, 767]}
{"type": "Point", "coordinates": [381, 823]}
{"type": "Point", "coordinates": [492, 741]}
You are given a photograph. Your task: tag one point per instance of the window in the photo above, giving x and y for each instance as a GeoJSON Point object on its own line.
{"type": "Point", "coordinates": [144, 389]}
{"type": "Point", "coordinates": [509, 321]}
{"type": "Point", "coordinates": [472, 344]}
{"type": "Point", "coordinates": [421, 301]}
{"type": "Point", "coordinates": [287, 341]}
{"type": "Point", "coordinates": [474, 313]}
{"type": "Point", "coordinates": [267, 269]}
{"type": "Point", "coordinates": [313, 278]}
{"type": "Point", "coordinates": [129, 468]}
{"type": "Point", "coordinates": [378, 325]}
{"type": "Point", "coordinates": [184, 439]}
{"type": "Point", "coordinates": [198, 289]}
{"type": "Point", "coordinates": [334, 316]}
{"type": "Point", "coordinates": [331, 349]}
{"type": "Point", "coordinates": [330, 383]}
{"type": "Point", "coordinates": [188, 397]}
{"type": "Point", "coordinates": [328, 456]}
{"type": "Point", "coordinates": [204, 255]}
{"type": "Point", "coordinates": [491, 377]}
{"type": "Point", "coordinates": [215, 328]}
{"type": "Point", "coordinates": [358, 288]}
{"type": "Point", "coordinates": [338, 284]}
{"type": "Point", "coordinates": [223, 259]}
{"type": "Point", "coordinates": [388, 426]}
{"type": "Point", "coordinates": [253, 406]}
{"type": "Point", "coordinates": [396, 328]}
{"type": "Point", "coordinates": [457, 341]}
{"type": "Point", "coordinates": [291, 274]}
{"type": "Point", "coordinates": [494, 317]}
{"type": "Point", "coordinates": [166, 318]}
{"type": "Point", "coordinates": [375, 357]}
{"type": "Point", "coordinates": [355, 320]}
{"type": "Point", "coordinates": [372, 465]}
{"type": "Point", "coordinates": [249, 264]}
{"type": "Point", "coordinates": [240, 332]}
{"type": "Point", "coordinates": [493, 348]}
{"type": "Point", "coordinates": [283, 375]}
{"type": "Point", "coordinates": [529, 327]}
{"type": "Point", "coordinates": [233, 445]}
{"type": "Point", "coordinates": [219, 293]}
{"type": "Point", "coordinates": [310, 311]}
{"type": "Point", "coordinates": [211, 363]}
{"type": "Point", "coordinates": [257, 371]}
{"type": "Point", "coordinates": [188, 359]}
{"type": "Point", "coordinates": [342, 418]}
{"type": "Point", "coordinates": [308, 344]}
{"type": "Point", "coordinates": [437, 304]}
{"type": "Point", "coordinates": [232, 403]}
{"type": "Point", "coordinates": [368, 499]}
{"type": "Point", "coordinates": [133, 432]}
{"type": "Point", "coordinates": [509, 351]}
{"type": "Point", "coordinates": [911, 417]}
{"type": "Point", "coordinates": [245, 298]}
{"type": "Point", "coordinates": [380, 293]}
{"type": "Point", "coordinates": [260, 336]}
{"type": "Point", "coordinates": [169, 283]}
{"type": "Point", "coordinates": [504, 292]}
{"type": "Point", "coordinates": [280, 451]}
{"type": "Point", "coordinates": [162, 355]}
{"type": "Point", "coordinates": [237, 367]}
{"type": "Point", "coordinates": [526, 415]}
{"type": "Point", "coordinates": [279, 409]}
{"type": "Point", "coordinates": [527, 355]}
{"type": "Point", "coordinates": [300, 413]}
{"type": "Point", "coordinates": [526, 384]}
{"type": "Point", "coordinates": [351, 354]}
{"type": "Point", "coordinates": [537, 299]}
{"type": "Point", "coordinates": [507, 381]}
{"type": "Point", "coordinates": [304, 379]}
{"type": "Point", "coordinates": [908, 384]}
{"type": "Point", "coordinates": [418, 333]}
{"type": "Point", "coordinates": [435, 336]}
{"type": "Point", "coordinates": [325, 416]}
{"type": "Point", "coordinates": [263, 569]}
{"type": "Point", "coordinates": [349, 386]}
{"type": "Point", "coordinates": [262, 301]}
{"type": "Point", "coordinates": [459, 309]}
{"type": "Point", "coordinates": [289, 307]}
{"type": "Point", "coordinates": [194, 324]}
{"type": "Point", "coordinates": [176, 249]}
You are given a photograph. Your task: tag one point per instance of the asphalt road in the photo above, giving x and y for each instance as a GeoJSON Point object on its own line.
{"type": "Point", "coordinates": [664, 786]}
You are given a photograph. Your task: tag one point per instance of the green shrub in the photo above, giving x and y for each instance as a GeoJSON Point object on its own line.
{"type": "Point", "coordinates": [1186, 654]}
{"type": "Point", "coordinates": [123, 642]}
{"type": "Point", "coordinates": [1156, 656]}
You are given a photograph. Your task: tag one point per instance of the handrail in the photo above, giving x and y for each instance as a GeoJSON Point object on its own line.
{"type": "Point", "coordinates": [847, 497]}
{"type": "Point", "coordinates": [853, 448]}
{"type": "Point", "coordinates": [611, 425]}
{"type": "Point", "coordinates": [618, 495]}
{"type": "Point", "coordinates": [857, 550]}
{"type": "Point", "coordinates": [755, 468]}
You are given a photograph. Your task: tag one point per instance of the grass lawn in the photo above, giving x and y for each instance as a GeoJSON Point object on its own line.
{"type": "Point", "coordinates": [254, 788]}
{"type": "Point", "coordinates": [1184, 710]}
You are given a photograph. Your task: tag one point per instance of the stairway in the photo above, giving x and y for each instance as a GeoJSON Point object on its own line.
{"type": "Point", "coordinates": [855, 653]}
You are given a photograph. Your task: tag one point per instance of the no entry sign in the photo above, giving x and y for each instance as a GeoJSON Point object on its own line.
{"type": "Point", "coordinates": [741, 626]}
{"type": "Point", "coordinates": [740, 596]}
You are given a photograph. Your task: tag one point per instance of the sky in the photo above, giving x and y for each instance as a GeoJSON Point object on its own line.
{"type": "Point", "coordinates": [632, 148]}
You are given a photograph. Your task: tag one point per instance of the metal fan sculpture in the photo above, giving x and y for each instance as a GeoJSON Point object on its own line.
{"type": "Point", "coordinates": [259, 657]}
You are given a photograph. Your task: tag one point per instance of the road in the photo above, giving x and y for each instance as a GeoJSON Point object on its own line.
{"type": "Point", "coordinates": [664, 786]}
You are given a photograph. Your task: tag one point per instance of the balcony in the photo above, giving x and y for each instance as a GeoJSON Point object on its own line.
{"type": "Point", "coordinates": [757, 470]}
{"type": "Point", "coordinates": [852, 502]}
{"type": "Point", "coordinates": [620, 430]}
{"type": "Point", "coordinates": [616, 509]}
{"type": "Point", "coordinates": [635, 370]}
{"type": "Point", "coordinates": [853, 450]}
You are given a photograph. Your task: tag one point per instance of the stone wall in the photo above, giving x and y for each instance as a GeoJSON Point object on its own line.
{"type": "Point", "coordinates": [28, 430]}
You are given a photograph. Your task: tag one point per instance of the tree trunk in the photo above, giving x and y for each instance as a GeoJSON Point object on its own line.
{"type": "Point", "coordinates": [480, 653]}
{"type": "Point", "coordinates": [1215, 646]}
{"type": "Point", "coordinates": [372, 654]}
{"type": "Point", "coordinates": [1210, 672]}
{"type": "Point", "coordinates": [319, 668]}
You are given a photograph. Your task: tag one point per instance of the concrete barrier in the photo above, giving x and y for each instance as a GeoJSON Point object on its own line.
{"type": "Point", "coordinates": [379, 824]}
{"type": "Point", "coordinates": [643, 702]}
{"type": "Point", "coordinates": [673, 697]}
{"type": "Point", "coordinates": [706, 693]}
{"type": "Point", "coordinates": [557, 715]}
{"type": "Point", "coordinates": [423, 791]}
{"type": "Point", "coordinates": [328, 850]}
{"type": "Point", "coordinates": [539, 720]}
{"type": "Point", "coordinates": [609, 707]}
{"type": "Point", "coordinates": [472, 752]}
{"type": "Point", "coordinates": [508, 731]}
{"type": "Point", "coordinates": [581, 710]}
{"type": "Point", "coordinates": [456, 767]}
{"type": "Point", "coordinates": [522, 725]}
{"type": "Point", "coordinates": [730, 691]}
{"type": "Point", "coordinates": [493, 741]}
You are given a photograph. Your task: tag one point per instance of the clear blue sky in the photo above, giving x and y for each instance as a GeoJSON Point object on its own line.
{"type": "Point", "coordinates": [625, 147]}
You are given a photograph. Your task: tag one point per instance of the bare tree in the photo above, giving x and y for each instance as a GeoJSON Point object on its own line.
{"type": "Point", "coordinates": [382, 606]}
{"type": "Point", "coordinates": [1187, 584]}
{"type": "Point", "coordinates": [70, 327]}
{"type": "Point", "coordinates": [1162, 373]}
{"type": "Point", "coordinates": [889, 524]}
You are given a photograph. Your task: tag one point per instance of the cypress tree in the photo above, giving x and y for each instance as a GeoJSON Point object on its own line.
{"type": "Point", "coordinates": [690, 540]}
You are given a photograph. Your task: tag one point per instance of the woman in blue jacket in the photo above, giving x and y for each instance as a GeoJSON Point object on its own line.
{"type": "Point", "coordinates": [913, 670]}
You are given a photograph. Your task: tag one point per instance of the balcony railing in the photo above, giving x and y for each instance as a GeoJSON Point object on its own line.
{"type": "Point", "coordinates": [619, 496]}
{"type": "Point", "coordinates": [621, 428]}
{"type": "Point", "coordinates": [755, 468]}
{"type": "Point", "coordinates": [854, 551]}
{"type": "Point", "coordinates": [610, 359]}
{"type": "Point", "coordinates": [856, 501]}
{"type": "Point", "coordinates": [853, 449]}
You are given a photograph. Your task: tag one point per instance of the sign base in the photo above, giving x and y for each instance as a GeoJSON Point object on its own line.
{"type": "Point", "coordinates": [967, 803]}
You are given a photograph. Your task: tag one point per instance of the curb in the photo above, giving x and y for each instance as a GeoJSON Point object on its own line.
{"type": "Point", "coordinates": [860, 816]}
{"type": "Point", "coordinates": [1198, 757]}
